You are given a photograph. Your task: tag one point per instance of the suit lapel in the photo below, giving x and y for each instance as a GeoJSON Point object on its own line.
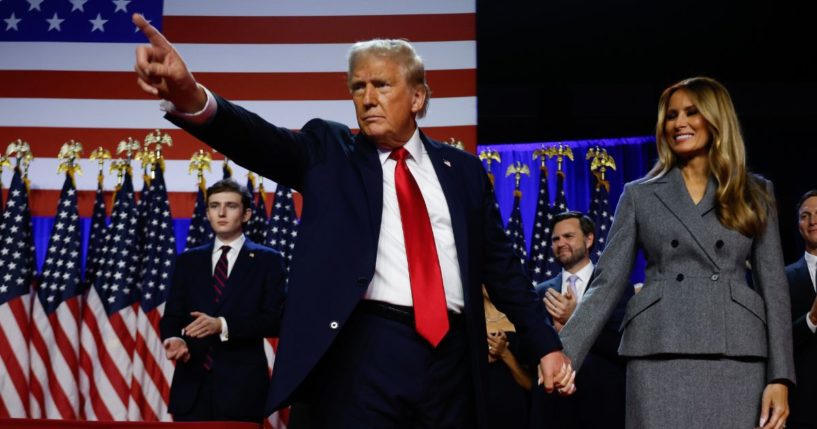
{"type": "Point", "coordinates": [367, 161]}
{"type": "Point", "coordinates": [205, 299]}
{"type": "Point", "coordinates": [673, 194]}
{"type": "Point", "coordinates": [803, 281]}
{"type": "Point", "coordinates": [447, 175]}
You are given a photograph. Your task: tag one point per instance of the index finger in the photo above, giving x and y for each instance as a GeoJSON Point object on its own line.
{"type": "Point", "coordinates": [154, 36]}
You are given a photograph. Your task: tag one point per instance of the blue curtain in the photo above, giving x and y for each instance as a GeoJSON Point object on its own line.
{"type": "Point", "coordinates": [634, 156]}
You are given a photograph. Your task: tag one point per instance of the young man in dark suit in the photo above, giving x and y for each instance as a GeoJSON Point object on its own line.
{"type": "Point", "coordinates": [804, 318]}
{"type": "Point", "coordinates": [226, 297]}
{"type": "Point", "coordinates": [599, 399]}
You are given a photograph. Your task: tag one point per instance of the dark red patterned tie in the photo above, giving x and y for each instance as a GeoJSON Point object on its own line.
{"type": "Point", "coordinates": [427, 292]}
{"type": "Point", "coordinates": [220, 273]}
{"type": "Point", "coordinates": [219, 281]}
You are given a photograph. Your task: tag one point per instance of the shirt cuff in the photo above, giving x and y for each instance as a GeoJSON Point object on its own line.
{"type": "Point", "coordinates": [197, 118]}
{"type": "Point", "coordinates": [225, 333]}
{"type": "Point", "coordinates": [811, 326]}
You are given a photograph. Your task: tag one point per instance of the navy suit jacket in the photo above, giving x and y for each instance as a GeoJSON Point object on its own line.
{"type": "Point", "coordinates": [251, 304]}
{"type": "Point", "coordinates": [802, 396]}
{"type": "Point", "coordinates": [340, 178]}
{"type": "Point", "coordinates": [599, 399]}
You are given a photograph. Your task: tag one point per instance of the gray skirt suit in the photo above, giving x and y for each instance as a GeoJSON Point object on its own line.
{"type": "Point", "coordinates": [701, 342]}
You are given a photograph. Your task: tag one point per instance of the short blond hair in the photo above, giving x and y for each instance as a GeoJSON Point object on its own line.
{"type": "Point", "coordinates": [399, 51]}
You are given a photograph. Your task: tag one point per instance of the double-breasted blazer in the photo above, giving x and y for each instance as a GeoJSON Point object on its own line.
{"type": "Point", "coordinates": [340, 177]}
{"type": "Point", "coordinates": [803, 412]}
{"type": "Point", "coordinates": [696, 299]}
{"type": "Point", "coordinates": [251, 304]}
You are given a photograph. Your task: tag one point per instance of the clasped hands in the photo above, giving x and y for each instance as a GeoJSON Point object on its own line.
{"type": "Point", "coordinates": [202, 326]}
{"type": "Point", "coordinates": [557, 373]}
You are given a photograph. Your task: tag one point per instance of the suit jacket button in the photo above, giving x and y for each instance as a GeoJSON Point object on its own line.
{"type": "Point", "coordinates": [679, 277]}
{"type": "Point", "coordinates": [715, 277]}
{"type": "Point", "coordinates": [674, 243]}
{"type": "Point", "coordinates": [719, 244]}
{"type": "Point", "coordinates": [333, 325]}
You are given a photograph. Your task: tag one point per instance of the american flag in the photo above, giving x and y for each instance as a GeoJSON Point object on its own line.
{"type": "Point", "coordinates": [541, 258]}
{"type": "Point", "coordinates": [54, 347]}
{"type": "Point", "coordinates": [283, 224]}
{"type": "Point", "coordinates": [514, 230]}
{"type": "Point", "coordinates": [283, 229]}
{"type": "Point", "coordinates": [66, 71]}
{"type": "Point", "coordinates": [200, 231]}
{"type": "Point", "coordinates": [559, 205]}
{"type": "Point", "coordinates": [602, 215]}
{"type": "Point", "coordinates": [16, 279]}
{"type": "Point", "coordinates": [107, 340]}
{"type": "Point", "coordinates": [152, 371]}
{"type": "Point", "coordinates": [96, 241]}
{"type": "Point", "coordinates": [256, 228]}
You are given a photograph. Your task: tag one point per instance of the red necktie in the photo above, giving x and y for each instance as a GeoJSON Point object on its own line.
{"type": "Point", "coordinates": [220, 273]}
{"type": "Point", "coordinates": [428, 294]}
{"type": "Point", "coordinates": [219, 281]}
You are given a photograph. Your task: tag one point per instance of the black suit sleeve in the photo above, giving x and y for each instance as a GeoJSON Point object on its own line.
{"type": "Point", "coordinates": [266, 321]}
{"type": "Point", "coordinates": [508, 286]}
{"type": "Point", "coordinates": [176, 316]}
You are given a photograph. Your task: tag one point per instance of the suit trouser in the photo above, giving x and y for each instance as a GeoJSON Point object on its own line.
{"type": "Point", "coordinates": [204, 407]}
{"type": "Point", "coordinates": [380, 373]}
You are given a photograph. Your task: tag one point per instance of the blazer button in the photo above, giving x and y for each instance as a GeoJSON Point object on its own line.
{"type": "Point", "coordinates": [679, 277]}
{"type": "Point", "coordinates": [715, 277]}
{"type": "Point", "coordinates": [719, 244]}
{"type": "Point", "coordinates": [333, 325]}
{"type": "Point", "coordinates": [674, 243]}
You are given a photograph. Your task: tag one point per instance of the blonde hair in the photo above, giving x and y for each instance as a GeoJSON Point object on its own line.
{"type": "Point", "coordinates": [399, 51]}
{"type": "Point", "coordinates": [742, 200]}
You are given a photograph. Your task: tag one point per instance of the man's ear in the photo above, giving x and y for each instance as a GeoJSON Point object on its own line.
{"type": "Point", "coordinates": [418, 98]}
{"type": "Point", "coordinates": [590, 240]}
{"type": "Point", "coordinates": [247, 215]}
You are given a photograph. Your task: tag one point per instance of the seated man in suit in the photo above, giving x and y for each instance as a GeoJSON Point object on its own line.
{"type": "Point", "coordinates": [804, 318]}
{"type": "Point", "coordinates": [226, 296]}
{"type": "Point", "coordinates": [599, 399]}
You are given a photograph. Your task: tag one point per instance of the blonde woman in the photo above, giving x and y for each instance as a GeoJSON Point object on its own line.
{"type": "Point", "coordinates": [703, 347]}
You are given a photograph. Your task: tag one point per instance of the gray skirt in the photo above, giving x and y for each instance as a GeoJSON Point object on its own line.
{"type": "Point", "coordinates": [690, 392]}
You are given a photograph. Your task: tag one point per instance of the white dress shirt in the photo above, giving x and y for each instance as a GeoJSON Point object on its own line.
{"type": "Point", "coordinates": [583, 279]}
{"type": "Point", "coordinates": [391, 276]}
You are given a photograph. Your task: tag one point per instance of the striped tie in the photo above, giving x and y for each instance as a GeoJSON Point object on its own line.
{"type": "Point", "coordinates": [219, 281]}
{"type": "Point", "coordinates": [220, 273]}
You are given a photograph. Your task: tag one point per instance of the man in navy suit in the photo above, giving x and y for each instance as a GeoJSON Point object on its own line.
{"type": "Point", "coordinates": [384, 325]}
{"type": "Point", "coordinates": [804, 317]}
{"type": "Point", "coordinates": [226, 296]}
{"type": "Point", "coordinates": [599, 400]}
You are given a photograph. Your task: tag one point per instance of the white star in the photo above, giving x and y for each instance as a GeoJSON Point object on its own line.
{"type": "Point", "coordinates": [34, 4]}
{"type": "Point", "coordinates": [98, 23]}
{"type": "Point", "coordinates": [78, 5]}
{"type": "Point", "coordinates": [121, 5]}
{"type": "Point", "coordinates": [11, 22]}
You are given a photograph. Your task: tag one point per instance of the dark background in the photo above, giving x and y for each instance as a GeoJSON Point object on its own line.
{"type": "Point", "coordinates": [550, 70]}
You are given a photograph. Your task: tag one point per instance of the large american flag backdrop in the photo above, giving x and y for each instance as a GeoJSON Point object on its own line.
{"type": "Point", "coordinates": [66, 73]}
